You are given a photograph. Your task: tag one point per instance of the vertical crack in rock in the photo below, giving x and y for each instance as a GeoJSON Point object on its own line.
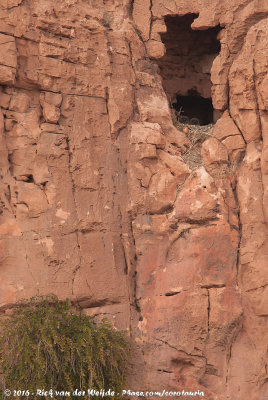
{"type": "Point", "coordinates": [239, 236]}
{"type": "Point", "coordinates": [124, 251]}
{"type": "Point", "coordinates": [208, 328]}
{"type": "Point", "coordinates": [260, 125]}
{"type": "Point", "coordinates": [107, 108]}
{"type": "Point", "coordinates": [108, 49]}
{"type": "Point", "coordinates": [256, 95]}
{"type": "Point", "coordinates": [131, 6]}
{"type": "Point", "coordinates": [26, 257]}
{"type": "Point", "coordinates": [133, 271]}
{"type": "Point", "coordinates": [151, 19]}
{"type": "Point", "coordinates": [120, 148]}
{"type": "Point", "coordinates": [43, 188]}
{"type": "Point", "coordinates": [229, 109]}
{"type": "Point", "coordinates": [74, 273]}
{"type": "Point", "coordinates": [139, 36]}
{"type": "Point", "coordinates": [234, 121]}
{"type": "Point", "coordinates": [76, 211]}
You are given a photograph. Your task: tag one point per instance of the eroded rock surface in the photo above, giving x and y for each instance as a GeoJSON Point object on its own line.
{"type": "Point", "coordinates": [99, 204]}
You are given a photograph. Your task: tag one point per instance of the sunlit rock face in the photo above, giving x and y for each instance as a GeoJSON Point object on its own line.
{"type": "Point", "coordinates": [104, 201]}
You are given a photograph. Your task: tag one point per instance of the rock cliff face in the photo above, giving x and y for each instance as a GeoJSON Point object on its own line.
{"type": "Point", "coordinates": [104, 201]}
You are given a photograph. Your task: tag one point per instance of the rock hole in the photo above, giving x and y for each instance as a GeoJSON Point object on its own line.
{"type": "Point", "coordinates": [194, 109]}
{"type": "Point", "coordinates": [186, 69]}
{"type": "Point", "coordinates": [29, 178]}
{"type": "Point", "coordinates": [172, 293]}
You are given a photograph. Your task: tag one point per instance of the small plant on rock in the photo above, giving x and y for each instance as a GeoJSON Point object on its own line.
{"type": "Point", "coordinates": [45, 345]}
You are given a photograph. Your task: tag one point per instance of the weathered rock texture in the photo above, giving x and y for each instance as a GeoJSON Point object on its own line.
{"type": "Point", "coordinates": [98, 204]}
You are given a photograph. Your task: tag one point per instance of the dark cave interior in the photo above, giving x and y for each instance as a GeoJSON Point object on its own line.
{"type": "Point", "coordinates": [195, 109]}
{"type": "Point", "coordinates": [185, 68]}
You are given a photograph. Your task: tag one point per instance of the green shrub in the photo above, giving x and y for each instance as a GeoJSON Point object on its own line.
{"type": "Point", "coordinates": [44, 345]}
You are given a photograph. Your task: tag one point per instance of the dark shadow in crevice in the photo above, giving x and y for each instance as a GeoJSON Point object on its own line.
{"type": "Point", "coordinates": [186, 67]}
{"type": "Point", "coordinates": [194, 109]}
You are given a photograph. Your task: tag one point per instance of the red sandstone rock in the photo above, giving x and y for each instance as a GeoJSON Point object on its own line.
{"type": "Point", "coordinates": [214, 152]}
{"type": "Point", "coordinates": [19, 102]}
{"type": "Point", "coordinates": [198, 199]}
{"type": "Point", "coordinates": [155, 49]}
{"type": "Point", "coordinates": [142, 17]}
{"type": "Point", "coordinates": [7, 75]}
{"type": "Point", "coordinates": [8, 59]}
{"type": "Point", "coordinates": [4, 100]}
{"type": "Point", "coordinates": [225, 127]}
{"type": "Point", "coordinates": [51, 113]}
{"type": "Point", "coordinates": [96, 202]}
{"type": "Point", "coordinates": [147, 133]}
{"type": "Point", "coordinates": [175, 164]}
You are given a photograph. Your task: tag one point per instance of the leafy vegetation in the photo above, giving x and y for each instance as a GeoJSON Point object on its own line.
{"type": "Point", "coordinates": [44, 344]}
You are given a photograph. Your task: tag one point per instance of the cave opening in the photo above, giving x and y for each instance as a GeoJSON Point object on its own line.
{"type": "Point", "coordinates": [194, 109]}
{"type": "Point", "coordinates": [186, 69]}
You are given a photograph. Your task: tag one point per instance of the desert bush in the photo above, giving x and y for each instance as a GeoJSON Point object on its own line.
{"type": "Point", "coordinates": [46, 344]}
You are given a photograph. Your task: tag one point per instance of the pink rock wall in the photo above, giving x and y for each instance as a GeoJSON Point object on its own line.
{"type": "Point", "coordinates": [98, 204]}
